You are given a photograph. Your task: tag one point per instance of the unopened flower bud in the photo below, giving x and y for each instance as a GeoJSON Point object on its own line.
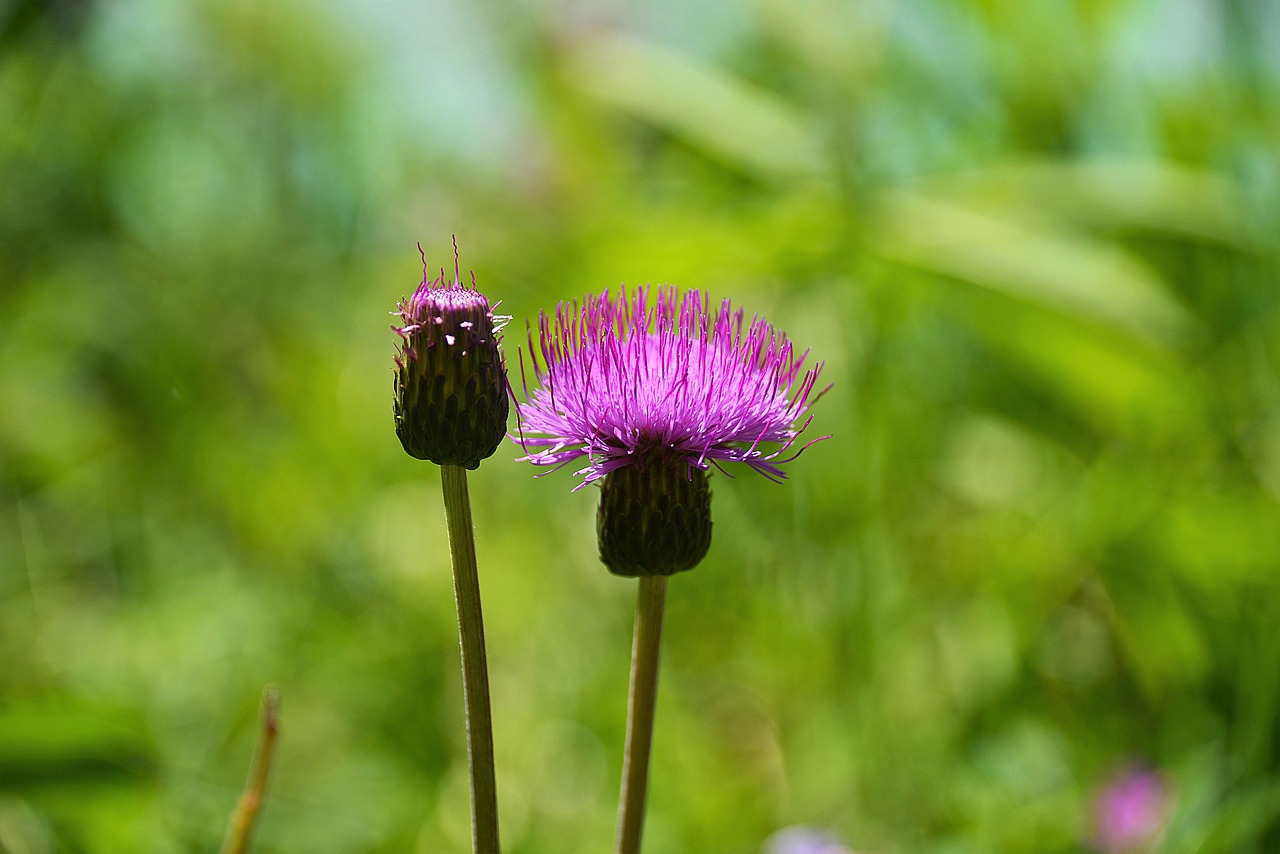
{"type": "Point", "coordinates": [451, 398]}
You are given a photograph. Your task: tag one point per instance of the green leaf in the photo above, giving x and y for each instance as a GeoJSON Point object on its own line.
{"type": "Point", "coordinates": [1032, 261]}
{"type": "Point", "coordinates": [707, 107]}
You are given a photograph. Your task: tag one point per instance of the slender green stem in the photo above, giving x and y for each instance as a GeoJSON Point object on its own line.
{"type": "Point", "coordinates": [475, 669]}
{"type": "Point", "coordinates": [240, 825]}
{"type": "Point", "coordinates": [651, 598]}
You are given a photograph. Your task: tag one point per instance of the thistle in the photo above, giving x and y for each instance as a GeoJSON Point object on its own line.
{"type": "Point", "coordinates": [651, 392]}
{"type": "Point", "coordinates": [660, 388]}
{"type": "Point", "coordinates": [451, 403]}
{"type": "Point", "coordinates": [451, 399]}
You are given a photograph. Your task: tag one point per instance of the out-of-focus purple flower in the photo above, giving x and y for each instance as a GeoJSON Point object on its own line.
{"type": "Point", "coordinates": [662, 377]}
{"type": "Point", "coordinates": [804, 840]}
{"type": "Point", "coordinates": [1130, 811]}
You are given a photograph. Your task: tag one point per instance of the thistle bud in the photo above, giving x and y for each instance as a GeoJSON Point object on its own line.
{"type": "Point", "coordinates": [451, 399]}
{"type": "Point", "coordinates": [654, 519]}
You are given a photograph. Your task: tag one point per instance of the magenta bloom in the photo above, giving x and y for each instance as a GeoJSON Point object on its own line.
{"type": "Point", "coordinates": [1130, 811]}
{"type": "Point", "coordinates": [660, 377]}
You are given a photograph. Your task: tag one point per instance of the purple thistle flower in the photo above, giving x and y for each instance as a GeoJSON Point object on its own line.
{"type": "Point", "coordinates": [654, 390]}
{"type": "Point", "coordinates": [662, 377]}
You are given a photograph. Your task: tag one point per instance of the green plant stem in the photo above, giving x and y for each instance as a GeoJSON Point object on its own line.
{"type": "Point", "coordinates": [240, 825]}
{"type": "Point", "coordinates": [475, 669]}
{"type": "Point", "coordinates": [651, 598]}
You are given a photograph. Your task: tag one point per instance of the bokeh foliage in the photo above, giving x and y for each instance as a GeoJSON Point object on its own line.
{"type": "Point", "coordinates": [1035, 242]}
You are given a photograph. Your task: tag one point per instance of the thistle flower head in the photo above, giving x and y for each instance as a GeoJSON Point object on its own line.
{"type": "Point", "coordinates": [451, 393]}
{"type": "Point", "coordinates": [652, 391]}
{"type": "Point", "coordinates": [662, 377]}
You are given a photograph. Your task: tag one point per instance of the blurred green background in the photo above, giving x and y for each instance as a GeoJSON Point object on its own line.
{"type": "Point", "coordinates": [1036, 242]}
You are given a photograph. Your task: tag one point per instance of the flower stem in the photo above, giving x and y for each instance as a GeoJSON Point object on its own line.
{"type": "Point", "coordinates": [240, 826]}
{"type": "Point", "coordinates": [475, 670]}
{"type": "Point", "coordinates": [650, 600]}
